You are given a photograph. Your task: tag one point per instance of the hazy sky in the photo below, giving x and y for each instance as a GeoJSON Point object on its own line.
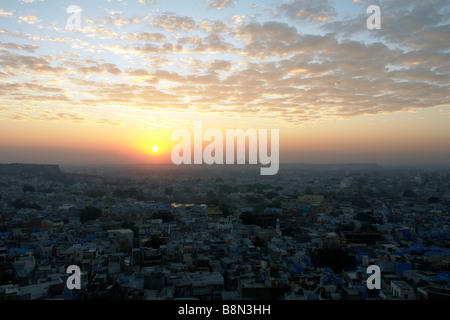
{"type": "Point", "coordinates": [136, 70]}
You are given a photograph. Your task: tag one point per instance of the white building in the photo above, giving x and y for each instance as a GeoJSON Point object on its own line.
{"type": "Point", "coordinates": [400, 289]}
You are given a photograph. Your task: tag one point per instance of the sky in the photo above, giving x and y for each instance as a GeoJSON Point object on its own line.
{"type": "Point", "coordinates": [114, 87]}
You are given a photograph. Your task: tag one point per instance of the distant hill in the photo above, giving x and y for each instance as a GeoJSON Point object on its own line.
{"type": "Point", "coordinates": [19, 168]}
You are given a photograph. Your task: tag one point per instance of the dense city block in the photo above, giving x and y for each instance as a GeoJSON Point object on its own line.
{"type": "Point", "coordinates": [157, 232]}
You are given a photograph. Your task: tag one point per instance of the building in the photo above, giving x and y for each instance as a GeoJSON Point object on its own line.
{"type": "Point", "coordinates": [121, 237]}
{"type": "Point", "coordinates": [310, 198]}
{"type": "Point", "coordinates": [402, 290]}
{"type": "Point", "coordinates": [24, 265]}
{"type": "Point", "coordinates": [438, 293]}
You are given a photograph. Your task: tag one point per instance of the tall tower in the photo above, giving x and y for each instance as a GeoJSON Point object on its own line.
{"type": "Point", "coordinates": [278, 228]}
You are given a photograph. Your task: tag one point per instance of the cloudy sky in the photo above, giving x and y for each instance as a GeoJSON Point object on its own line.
{"type": "Point", "coordinates": [136, 70]}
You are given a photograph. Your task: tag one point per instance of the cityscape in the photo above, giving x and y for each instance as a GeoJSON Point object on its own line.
{"type": "Point", "coordinates": [161, 232]}
{"type": "Point", "coordinates": [224, 157]}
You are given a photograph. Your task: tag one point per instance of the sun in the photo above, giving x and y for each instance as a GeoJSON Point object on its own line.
{"type": "Point", "coordinates": [155, 149]}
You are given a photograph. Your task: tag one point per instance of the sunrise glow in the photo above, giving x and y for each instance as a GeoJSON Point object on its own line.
{"type": "Point", "coordinates": [114, 89]}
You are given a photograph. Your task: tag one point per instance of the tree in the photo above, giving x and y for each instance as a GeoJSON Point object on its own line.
{"type": "Point", "coordinates": [360, 202]}
{"type": "Point", "coordinates": [259, 208]}
{"type": "Point", "coordinates": [47, 190]}
{"type": "Point", "coordinates": [225, 188]}
{"type": "Point", "coordinates": [225, 208]}
{"type": "Point", "coordinates": [308, 190]}
{"type": "Point", "coordinates": [154, 242]}
{"type": "Point", "coordinates": [20, 204]}
{"type": "Point", "coordinates": [187, 190]}
{"type": "Point", "coordinates": [90, 213]}
{"type": "Point", "coordinates": [256, 187]}
{"type": "Point", "coordinates": [164, 215]}
{"type": "Point", "coordinates": [254, 199]}
{"type": "Point", "coordinates": [6, 278]}
{"type": "Point", "coordinates": [433, 199]}
{"type": "Point", "coordinates": [324, 294]}
{"type": "Point", "coordinates": [211, 198]}
{"type": "Point", "coordinates": [276, 204]}
{"type": "Point", "coordinates": [28, 188]}
{"type": "Point", "coordinates": [334, 258]}
{"type": "Point", "coordinates": [345, 227]}
{"type": "Point", "coordinates": [368, 227]}
{"type": "Point", "coordinates": [248, 218]}
{"type": "Point", "coordinates": [129, 193]}
{"type": "Point", "coordinates": [271, 194]}
{"type": "Point", "coordinates": [259, 242]}
{"type": "Point", "coordinates": [363, 217]}
{"type": "Point", "coordinates": [408, 193]}
{"type": "Point", "coordinates": [130, 225]}
{"type": "Point", "coordinates": [287, 232]}
{"type": "Point", "coordinates": [122, 245]}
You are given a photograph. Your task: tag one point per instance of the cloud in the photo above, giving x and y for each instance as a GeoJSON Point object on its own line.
{"type": "Point", "coordinates": [219, 4]}
{"type": "Point", "coordinates": [146, 36]}
{"type": "Point", "coordinates": [51, 116]}
{"type": "Point", "coordinates": [110, 122]}
{"type": "Point", "coordinates": [304, 10]}
{"type": "Point", "coordinates": [173, 23]}
{"type": "Point", "coordinates": [4, 13]}
{"type": "Point", "coordinates": [27, 47]}
{"type": "Point", "coordinates": [410, 24]}
{"type": "Point", "coordinates": [17, 34]}
{"type": "Point", "coordinates": [25, 114]}
{"type": "Point", "coordinates": [220, 65]}
{"type": "Point", "coordinates": [213, 43]}
{"type": "Point", "coordinates": [113, 12]}
{"type": "Point", "coordinates": [120, 22]}
{"type": "Point", "coordinates": [268, 39]}
{"type": "Point", "coordinates": [147, 2]}
{"type": "Point", "coordinates": [29, 63]}
{"type": "Point", "coordinates": [262, 68]}
{"type": "Point", "coordinates": [93, 67]}
{"type": "Point", "coordinates": [29, 19]}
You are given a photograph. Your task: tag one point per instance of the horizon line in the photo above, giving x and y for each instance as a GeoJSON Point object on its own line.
{"type": "Point", "coordinates": [233, 164]}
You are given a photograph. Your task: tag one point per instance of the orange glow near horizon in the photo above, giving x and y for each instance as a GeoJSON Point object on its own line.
{"type": "Point", "coordinates": [369, 138]}
{"type": "Point", "coordinates": [114, 90]}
